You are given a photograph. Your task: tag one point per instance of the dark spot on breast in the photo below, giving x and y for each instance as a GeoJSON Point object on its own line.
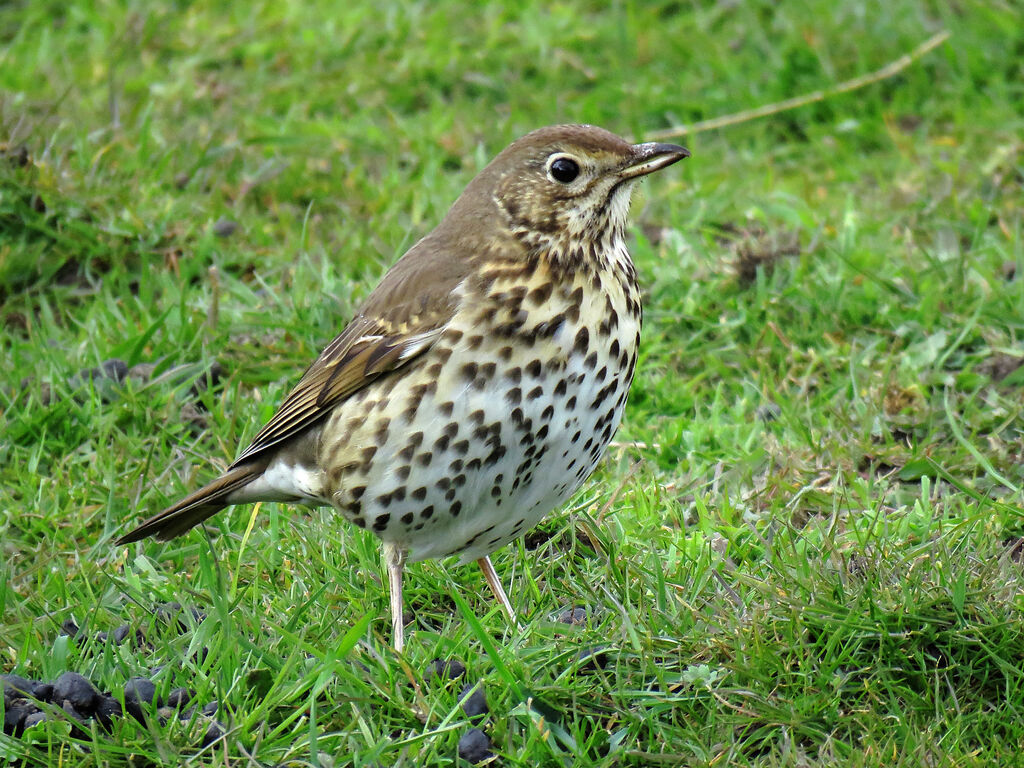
{"type": "Point", "coordinates": [459, 480]}
{"type": "Point", "coordinates": [496, 491]}
{"type": "Point", "coordinates": [359, 521]}
{"type": "Point", "coordinates": [541, 293]}
{"type": "Point", "coordinates": [514, 396]}
{"type": "Point", "coordinates": [368, 454]}
{"type": "Point", "coordinates": [487, 370]}
{"type": "Point", "coordinates": [381, 522]}
{"type": "Point", "coordinates": [487, 314]}
{"type": "Point", "coordinates": [570, 404]}
{"type": "Point", "coordinates": [512, 327]}
{"type": "Point", "coordinates": [495, 455]}
{"type": "Point", "coordinates": [456, 508]}
{"type": "Point", "coordinates": [468, 371]}
{"type": "Point", "coordinates": [550, 327]}
{"type": "Point", "coordinates": [425, 458]}
{"type": "Point", "coordinates": [419, 494]}
{"type": "Point", "coordinates": [403, 472]}
{"type": "Point", "coordinates": [446, 408]}
{"type": "Point", "coordinates": [407, 518]}
{"type": "Point", "coordinates": [535, 393]}
{"type": "Point", "coordinates": [441, 444]}
{"type": "Point", "coordinates": [505, 353]}
{"type": "Point", "coordinates": [582, 342]}
{"type": "Point", "coordinates": [473, 465]}
{"type": "Point", "coordinates": [601, 374]}
{"type": "Point", "coordinates": [427, 512]}
{"type": "Point", "coordinates": [534, 368]}
{"type": "Point", "coordinates": [455, 466]}
{"type": "Point", "coordinates": [450, 494]}
{"type": "Point", "coordinates": [547, 413]}
{"type": "Point", "coordinates": [474, 342]}
{"type": "Point", "coordinates": [560, 388]}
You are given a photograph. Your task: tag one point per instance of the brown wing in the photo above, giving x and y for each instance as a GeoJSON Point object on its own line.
{"type": "Point", "coordinates": [400, 320]}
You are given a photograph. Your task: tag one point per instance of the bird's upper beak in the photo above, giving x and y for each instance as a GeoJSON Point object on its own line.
{"type": "Point", "coordinates": [648, 158]}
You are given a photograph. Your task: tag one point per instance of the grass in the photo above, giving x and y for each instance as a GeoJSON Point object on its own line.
{"type": "Point", "coordinates": [806, 551]}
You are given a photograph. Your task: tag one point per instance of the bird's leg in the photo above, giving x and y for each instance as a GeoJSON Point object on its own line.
{"type": "Point", "coordinates": [499, 592]}
{"type": "Point", "coordinates": [394, 557]}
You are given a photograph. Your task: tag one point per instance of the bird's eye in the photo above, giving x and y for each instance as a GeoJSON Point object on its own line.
{"type": "Point", "coordinates": [563, 169]}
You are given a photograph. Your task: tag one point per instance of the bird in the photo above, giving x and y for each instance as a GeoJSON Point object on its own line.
{"type": "Point", "coordinates": [478, 385]}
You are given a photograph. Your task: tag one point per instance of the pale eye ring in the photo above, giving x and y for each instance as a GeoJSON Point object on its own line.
{"type": "Point", "coordinates": [563, 168]}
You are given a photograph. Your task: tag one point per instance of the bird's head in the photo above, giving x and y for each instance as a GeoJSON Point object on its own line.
{"type": "Point", "coordinates": [568, 184]}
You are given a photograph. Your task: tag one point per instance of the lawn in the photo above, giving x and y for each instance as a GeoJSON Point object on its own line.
{"type": "Point", "coordinates": [806, 545]}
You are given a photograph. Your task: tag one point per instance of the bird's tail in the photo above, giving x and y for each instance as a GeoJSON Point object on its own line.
{"type": "Point", "coordinates": [197, 506]}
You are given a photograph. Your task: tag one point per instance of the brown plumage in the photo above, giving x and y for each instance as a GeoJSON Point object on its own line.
{"type": "Point", "coordinates": [480, 382]}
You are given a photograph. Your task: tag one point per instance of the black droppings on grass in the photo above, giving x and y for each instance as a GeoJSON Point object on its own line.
{"type": "Point", "coordinates": [444, 669]}
{"type": "Point", "coordinates": [107, 709]}
{"type": "Point", "coordinates": [34, 719]}
{"type": "Point", "coordinates": [224, 227]}
{"type": "Point", "coordinates": [475, 746]}
{"type": "Point", "coordinates": [574, 615]}
{"type": "Point", "coordinates": [178, 698]}
{"type": "Point", "coordinates": [69, 628]}
{"type": "Point", "coordinates": [139, 696]}
{"type": "Point", "coordinates": [474, 702]}
{"type": "Point", "coordinates": [174, 615]}
{"type": "Point", "coordinates": [593, 658]}
{"type": "Point", "coordinates": [16, 685]}
{"type": "Point", "coordinates": [14, 716]}
{"type": "Point", "coordinates": [214, 732]}
{"type": "Point", "coordinates": [75, 689]}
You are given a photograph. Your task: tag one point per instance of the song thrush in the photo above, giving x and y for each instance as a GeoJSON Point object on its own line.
{"type": "Point", "coordinates": [479, 384]}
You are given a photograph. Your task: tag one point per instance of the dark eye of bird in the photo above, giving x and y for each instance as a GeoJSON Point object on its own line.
{"type": "Point", "coordinates": [564, 170]}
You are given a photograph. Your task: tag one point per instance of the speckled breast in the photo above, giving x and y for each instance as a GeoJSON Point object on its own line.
{"type": "Point", "coordinates": [499, 422]}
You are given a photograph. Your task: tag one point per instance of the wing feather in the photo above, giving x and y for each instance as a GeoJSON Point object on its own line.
{"type": "Point", "coordinates": [400, 320]}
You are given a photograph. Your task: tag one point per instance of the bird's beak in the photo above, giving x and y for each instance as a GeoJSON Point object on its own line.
{"type": "Point", "coordinates": [648, 158]}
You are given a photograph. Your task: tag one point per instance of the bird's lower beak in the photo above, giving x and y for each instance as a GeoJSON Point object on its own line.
{"type": "Point", "coordinates": [648, 158]}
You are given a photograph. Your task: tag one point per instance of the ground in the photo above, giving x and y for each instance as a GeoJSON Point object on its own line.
{"type": "Point", "coordinates": [806, 546]}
